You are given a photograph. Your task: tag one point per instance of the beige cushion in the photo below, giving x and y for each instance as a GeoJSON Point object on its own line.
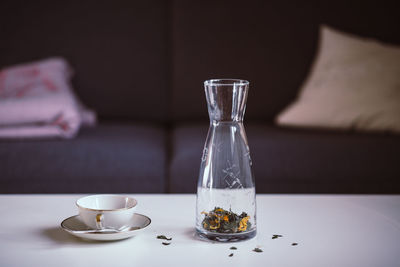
{"type": "Point", "coordinates": [354, 83]}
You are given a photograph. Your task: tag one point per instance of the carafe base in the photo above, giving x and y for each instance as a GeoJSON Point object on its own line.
{"type": "Point", "coordinates": [220, 237]}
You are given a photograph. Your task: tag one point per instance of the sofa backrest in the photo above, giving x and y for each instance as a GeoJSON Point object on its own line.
{"type": "Point", "coordinates": [117, 48]}
{"type": "Point", "coordinates": [271, 43]}
{"type": "Point", "coordinates": [146, 60]}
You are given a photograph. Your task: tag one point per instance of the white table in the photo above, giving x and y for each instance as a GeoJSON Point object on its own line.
{"type": "Point", "coordinates": [331, 230]}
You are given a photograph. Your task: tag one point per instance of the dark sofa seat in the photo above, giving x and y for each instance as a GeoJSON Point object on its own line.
{"type": "Point", "coordinates": [298, 161]}
{"type": "Point", "coordinates": [108, 158]}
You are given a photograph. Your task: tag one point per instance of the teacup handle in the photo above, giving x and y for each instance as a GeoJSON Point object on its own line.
{"type": "Point", "coordinates": [99, 221]}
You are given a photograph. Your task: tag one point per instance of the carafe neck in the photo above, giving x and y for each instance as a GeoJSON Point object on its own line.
{"type": "Point", "coordinates": [226, 100]}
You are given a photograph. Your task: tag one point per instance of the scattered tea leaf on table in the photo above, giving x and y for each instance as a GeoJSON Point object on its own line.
{"type": "Point", "coordinates": [166, 243]}
{"type": "Point", "coordinates": [257, 250]}
{"type": "Point", "coordinates": [233, 248]}
{"type": "Point", "coordinates": [230, 255]}
{"type": "Point", "coordinates": [294, 244]}
{"type": "Point", "coordinates": [164, 237]}
{"type": "Point", "coordinates": [276, 236]}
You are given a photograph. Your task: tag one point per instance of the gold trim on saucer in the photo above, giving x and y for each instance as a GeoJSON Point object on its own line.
{"type": "Point", "coordinates": [131, 229]}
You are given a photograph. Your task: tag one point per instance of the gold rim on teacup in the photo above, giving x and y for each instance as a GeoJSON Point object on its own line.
{"type": "Point", "coordinates": [101, 210]}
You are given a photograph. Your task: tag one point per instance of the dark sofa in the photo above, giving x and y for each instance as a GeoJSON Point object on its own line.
{"type": "Point", "coordinates": [141, 64]}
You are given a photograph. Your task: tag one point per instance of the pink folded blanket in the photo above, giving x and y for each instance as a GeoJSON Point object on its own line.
{"type": "Point", "coordinates": [36, 101]}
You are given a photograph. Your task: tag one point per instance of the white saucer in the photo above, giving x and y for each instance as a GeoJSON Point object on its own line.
{"type": "Point", "coordinates": [76, 227]}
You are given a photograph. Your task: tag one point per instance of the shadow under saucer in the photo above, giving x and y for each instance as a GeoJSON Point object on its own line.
{"type": "Point", "coordinates": [59, 236]}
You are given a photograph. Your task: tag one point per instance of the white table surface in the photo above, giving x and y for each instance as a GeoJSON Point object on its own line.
{"type": "Point", "coordinates": [331, 230]}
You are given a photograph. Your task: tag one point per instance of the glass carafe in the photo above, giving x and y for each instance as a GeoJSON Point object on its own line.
{"type": "Point", "coordinates": [226, 203]}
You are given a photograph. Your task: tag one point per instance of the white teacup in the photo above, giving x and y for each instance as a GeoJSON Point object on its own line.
{"type": "Point", "coordinates": [106, 211]}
